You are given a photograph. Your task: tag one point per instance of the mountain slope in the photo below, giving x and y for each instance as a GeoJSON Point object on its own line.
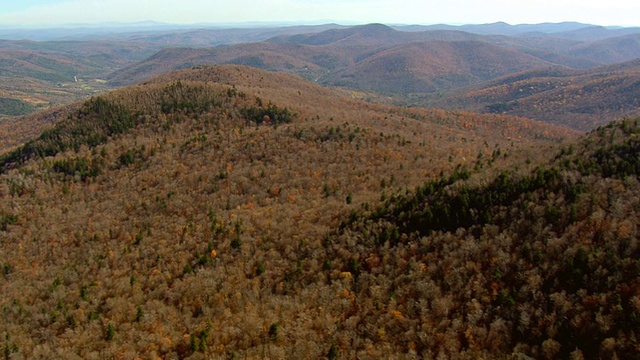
{"type": "Point", "coordinates": [266, 56]}
{"type": "Point", "coordinates": [539, 263]}
{"type": "Point", "coordinates": [371, 34]}
{"type": "Point", "coordinates": [580, 99]}
{"type": "Point", "coordinates": [442, 67]}
{"type": "Point", "coordinates": [31, 65]}
{"type": "Point", "coordinates": [502, 28]}
{"type": "Point", "coordinates": [596, 33]}
{"type": "Point", "coordinates": [187, 216]}
{"type": "Point", "coordinates": [330, 54]}
{"type": "Point", "coordinates": [610, 51]}
{"type": "Point", "coordinates": [208, 37]}
{"type": "Point", "coordinates": [356, 58]}
{"type": "Point", "coordinates": [433, 66]}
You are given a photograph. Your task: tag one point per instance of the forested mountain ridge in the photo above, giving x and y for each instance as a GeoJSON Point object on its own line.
{"type": "Point", "coordinates": [541, 262]}
{"type": "Point", "coordinates": [441, 68]}
{"type": "Point", "coordinates": [295, 91]}
{"type": "Point", "coordinates": [195, 215]}
{"type": "Point", "coordinates": [581, 99]}
{"type": "Point", "coordinates": [417, 66]}
{"type": "Point", "coordinates": [326, 55]}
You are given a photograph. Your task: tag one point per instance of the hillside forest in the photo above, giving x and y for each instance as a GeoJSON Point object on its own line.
{"type": "Point", "coordinates": [230, 212]}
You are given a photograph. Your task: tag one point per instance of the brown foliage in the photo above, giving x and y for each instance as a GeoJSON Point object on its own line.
{"type": "Point", "coordinates": [206, 233]}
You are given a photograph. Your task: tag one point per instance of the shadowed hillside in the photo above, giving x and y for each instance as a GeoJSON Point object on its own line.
{"type": "Point", "coordinates": [540, 263]}
{"type": "Point", "coordinates": [194, 215]}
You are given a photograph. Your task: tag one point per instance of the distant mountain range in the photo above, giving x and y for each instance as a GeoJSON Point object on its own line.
{"type": "Point", "coordinates": [347, 50]}
{"type": "Point", "coordinates": [437, 65]}
{"type": "Point", "coordinates": [260, 30]}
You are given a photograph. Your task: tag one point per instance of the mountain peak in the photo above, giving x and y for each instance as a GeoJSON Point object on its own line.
{"type": "Point", "coordinates": [374, 28]}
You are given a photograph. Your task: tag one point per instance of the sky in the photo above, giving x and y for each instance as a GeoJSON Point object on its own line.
{"type": "Point", "coordinates": [424, 12]}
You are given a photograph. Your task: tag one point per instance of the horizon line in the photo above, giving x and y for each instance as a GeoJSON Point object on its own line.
{"type": "Point", "coordinates": [244, 24]}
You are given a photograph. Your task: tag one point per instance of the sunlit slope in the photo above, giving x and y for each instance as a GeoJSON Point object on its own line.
{"type": "Point", "coordinates": [190, 215]}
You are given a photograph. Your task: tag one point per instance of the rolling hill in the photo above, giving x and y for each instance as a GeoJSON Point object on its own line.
{"type": "Point", "coordinates": [266, 56]}
{"type": "Point", "coordinates": [609, 51]}
{"type": "Point", "coordinates": [429, 65]}
{"type": "Point", "coordinates": [199, 215]}
{"type": "Point", "coordinates": [541, 263]}
{"type": "Point", "coordinates": [581, 99]}
{"type": "Point", "coordinates": [432, 66]}
{"type": "Point", "coordinates": [414, 67]}
{"type": "Point", "coordinates": [572, 31]}
{"type": "Point", "coordinates": [502, 28]}
{"type": "Point", "coordinates": [435, 67]}
{"type": "Point", "coordinates": [330, 50]}
{"type": "Point", "coordinates": [16, 63]}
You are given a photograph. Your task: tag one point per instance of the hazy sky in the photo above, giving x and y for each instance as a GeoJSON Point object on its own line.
{"type": "Point", "coordinates": [49, 12]}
